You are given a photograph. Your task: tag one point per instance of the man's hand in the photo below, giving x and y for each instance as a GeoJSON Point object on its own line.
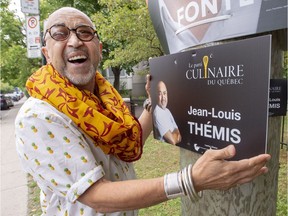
{"type": "Point", "coordinates": [212, 171]}
{"type": "Point", "coordinates": [147, 86]}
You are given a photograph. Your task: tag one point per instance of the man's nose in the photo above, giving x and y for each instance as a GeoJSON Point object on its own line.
{"type": "Point", "coordinates": [73, 40]}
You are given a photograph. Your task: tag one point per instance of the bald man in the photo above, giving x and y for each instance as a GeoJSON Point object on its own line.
{"type": "Point", "coordinates": [165, 126]}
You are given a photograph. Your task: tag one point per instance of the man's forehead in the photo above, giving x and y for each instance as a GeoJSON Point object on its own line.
{"type": "Point", "coordinates": [69, 17]}
{"type": "Point", "coordinates": [162, 86]}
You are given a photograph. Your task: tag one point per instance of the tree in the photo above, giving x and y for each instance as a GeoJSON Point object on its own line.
{"type": "Point", "coordinates": [127, 34]}
{"type": "Point", "coordinates": [87, 6]}
{"type": "Point", "coordinates": [15, 66]}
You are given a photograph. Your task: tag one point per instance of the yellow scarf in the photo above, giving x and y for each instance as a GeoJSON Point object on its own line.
{"type": "Point", "coordinates": [109, 123]}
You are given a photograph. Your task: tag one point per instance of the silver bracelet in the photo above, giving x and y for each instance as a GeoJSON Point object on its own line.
{"type": "Point", "coordinates": [173, 185]}
{"type": "Point", "coordinates": [188, 184]}
{"type": "Point", "coordinates": [180, 184]}
{"type": "Point", "coordinates": [147, 105]}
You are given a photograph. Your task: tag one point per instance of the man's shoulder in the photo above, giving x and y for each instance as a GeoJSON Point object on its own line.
{"type": "Point", "coordinates": [159, 110]}
{"type": "Point", "coordinates": [37, 108]}
{"type": "Point", "coordinates": [34, 104]}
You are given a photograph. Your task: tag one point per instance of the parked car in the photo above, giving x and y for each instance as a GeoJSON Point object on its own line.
{"type": "Point", "coordinates": [14, 96]}
{"type": "Point", "coordinates": [6, 102]}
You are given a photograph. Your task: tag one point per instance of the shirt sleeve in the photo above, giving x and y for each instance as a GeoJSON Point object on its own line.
{"type": "Point", "coordinates": [164, 121]}
{"type": "Point", "coordinates": [55, 153]}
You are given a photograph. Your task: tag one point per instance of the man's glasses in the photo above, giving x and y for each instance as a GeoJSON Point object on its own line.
{"type": "Point", "coordinates": [60, 32]}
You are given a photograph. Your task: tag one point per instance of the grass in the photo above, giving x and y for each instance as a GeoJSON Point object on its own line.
{"type": "Point", "coordinates": [282, 201]}
{"type": "Point", "coordinates": [34, 208]}
{"type": "Point", "coordinates": [158, 159]}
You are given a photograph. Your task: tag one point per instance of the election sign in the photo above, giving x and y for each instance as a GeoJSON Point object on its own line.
{"type": "Point", "coordinates": [186, 23]}
{"type": "Point", "coordinates": [278, 97]}
{"type": "Point", "coordinates": [33, 37]}
{"type": "Point", "coordinates": [216, 96]}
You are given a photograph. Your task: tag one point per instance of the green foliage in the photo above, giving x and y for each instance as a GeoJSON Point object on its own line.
{"type": "Point", "coordinates": [48, 6]}
{"type": "Point", "coordinates": [11, 34]}
{"type": "Point", "coordinates": [15, 66]}
{"type": "Point", "coordinates": [5, 88]}
{"type": "Point", "coordinates": [127, 33]}
{"type": "Point", "coordinates": [282, 198]}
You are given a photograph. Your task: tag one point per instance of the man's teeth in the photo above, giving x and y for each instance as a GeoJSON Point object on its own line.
{"type": "Point", "coordinates": [75, 58]}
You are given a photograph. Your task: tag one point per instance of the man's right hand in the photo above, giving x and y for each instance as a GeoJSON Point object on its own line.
{"type": "Point", "coordinates": [213, 171]}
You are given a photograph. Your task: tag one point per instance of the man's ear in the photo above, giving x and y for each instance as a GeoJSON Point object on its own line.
{"type": "Point", "coordinates": [45, 53]}
{"type": "Point", "coordinates": [100, 50]}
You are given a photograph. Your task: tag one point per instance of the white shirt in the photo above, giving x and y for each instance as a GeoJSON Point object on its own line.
{"type": "Point", "coordinates": [163, 122]}
{"type": "Point", "coordinates": [63, 160]}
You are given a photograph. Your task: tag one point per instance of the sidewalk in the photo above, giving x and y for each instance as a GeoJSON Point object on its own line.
{"type": "Point", "coordinates": [14, 190]}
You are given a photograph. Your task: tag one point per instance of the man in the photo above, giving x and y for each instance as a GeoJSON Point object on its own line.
{"type": "Point", "coordinates": [77, 139]}
{"type": "Point", "coordinates": [166, 128]}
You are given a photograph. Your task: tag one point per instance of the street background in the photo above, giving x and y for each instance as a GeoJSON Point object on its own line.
{"type": "Point", "coordinates": [14, 190]}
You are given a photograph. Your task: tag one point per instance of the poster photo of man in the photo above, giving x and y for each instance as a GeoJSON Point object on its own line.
{"type": "Point", "coordinates": [165, 127]}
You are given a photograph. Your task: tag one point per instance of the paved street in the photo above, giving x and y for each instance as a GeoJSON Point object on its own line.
{"type": "Point", "coordinates": [14, 191]}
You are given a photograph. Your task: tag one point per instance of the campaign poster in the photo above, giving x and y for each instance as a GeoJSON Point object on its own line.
{"type": "Point", "coordinates": [181, 24]}
{"type": "Point", "coordinates": [278, 97]}
{"type": "Point", "coordinates": [212, 97]}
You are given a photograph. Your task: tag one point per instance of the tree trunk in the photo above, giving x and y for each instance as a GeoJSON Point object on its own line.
{"type": "Point", "coordinates": [260, 196]}
{"type": "Point", "coordinates": [116, 71]}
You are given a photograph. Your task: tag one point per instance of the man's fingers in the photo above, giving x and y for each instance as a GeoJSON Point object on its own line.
{"type": "Point", "coordinates": [223, 154]}
{"type": "Point", "coordinates": [247, 179]}
{"type": "Point", "coordinates": [260, 159]}
{"type": "Point", "coordinates": [148, 77]}
{"type": "Point", "coordinates": [147, 86]}
{"type": "Point", "coordinates": [248, 169]}
{"type": "Point", "coordinates": [253, 164]}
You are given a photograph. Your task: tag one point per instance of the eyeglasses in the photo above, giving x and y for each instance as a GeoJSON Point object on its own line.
{"type": "Point", "coordinates": [60, 32]}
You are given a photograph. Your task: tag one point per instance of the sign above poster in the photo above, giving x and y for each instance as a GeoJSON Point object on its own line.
{"type": "Point", "coordinates": [213, 97]}
{"type": "Point", "coordinates": [30, 6]}
{"type": "Point", "coordinates": [185, 23]}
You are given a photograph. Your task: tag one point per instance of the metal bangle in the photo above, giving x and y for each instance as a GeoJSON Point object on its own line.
{"type": "Point", "coordinates": [147, 105]}
{"type": "Point", "coordinates": [172, 186]}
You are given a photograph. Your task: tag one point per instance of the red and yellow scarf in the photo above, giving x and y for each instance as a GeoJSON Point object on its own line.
{"type": "Point", "coordinates": [109, 123]}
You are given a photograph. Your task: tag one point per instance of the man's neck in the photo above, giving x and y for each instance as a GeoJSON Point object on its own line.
{"type": "Point", "coordinates": [89, 87]}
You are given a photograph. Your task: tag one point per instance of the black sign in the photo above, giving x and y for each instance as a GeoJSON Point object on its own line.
{"type": "Point", "coordinates": [216, 95]}
{"type": "Point", "coordinates": [182, 24]}
{"type": "Point", "coordinates": [278, 97]}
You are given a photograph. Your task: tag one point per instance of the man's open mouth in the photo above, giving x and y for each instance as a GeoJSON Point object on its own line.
{"type": "Point", "coordinates": [77, 59]}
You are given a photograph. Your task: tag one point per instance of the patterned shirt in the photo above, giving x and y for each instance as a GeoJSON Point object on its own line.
{"type": "Point", "coordinates": [63, 160]}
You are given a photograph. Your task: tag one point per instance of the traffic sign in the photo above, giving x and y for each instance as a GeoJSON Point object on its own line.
{"type": "Point", "coordinates": [33, 36]}
{"type": "Point", "coordinates": [30, 6]}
